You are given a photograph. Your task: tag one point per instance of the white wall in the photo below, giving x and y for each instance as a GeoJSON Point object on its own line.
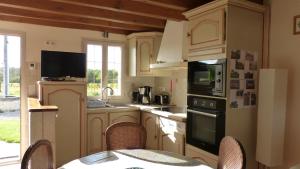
{"type": "Point", "coordinates": [285, 53]}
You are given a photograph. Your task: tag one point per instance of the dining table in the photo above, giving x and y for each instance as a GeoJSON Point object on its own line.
{"type": "Point", "coordinates": [135, 159]}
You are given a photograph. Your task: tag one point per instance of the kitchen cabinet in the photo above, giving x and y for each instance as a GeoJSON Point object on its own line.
{"type": "Point", "coordinates": [172, 135]}
{"type": "Point", "coordinates": [143, 50]}
{"type": "Point", "coordinates": [163, 133]}
{"type": "Point", "coordinates": [127, 116]}
{"type": "Point", "coordinates": [150, 122]}
{"type": "Point", "coordinates": [70, 98]}
{"type": "Point", "coordinates": [97, 124]}
{"type": "Point", "coordinates": [206, 30]}
{"type": "Point", "coordinates": [203, 156]}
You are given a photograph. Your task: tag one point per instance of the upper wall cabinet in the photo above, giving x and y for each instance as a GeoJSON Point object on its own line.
{"type": "Point", "coordinates": [206, 30]}
{"type": "Point", "coordinates": [143, 50]}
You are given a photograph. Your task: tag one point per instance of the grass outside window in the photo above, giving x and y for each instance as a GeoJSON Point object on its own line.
{"type": "Point", "coordinates": [10, 131]}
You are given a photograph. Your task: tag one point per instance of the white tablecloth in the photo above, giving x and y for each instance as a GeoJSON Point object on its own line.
{"type": "Point", "coordinates": [135, 159]}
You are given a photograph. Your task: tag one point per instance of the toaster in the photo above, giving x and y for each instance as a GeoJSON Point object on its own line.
{"type": "Point", "coordinates": [162, 99]}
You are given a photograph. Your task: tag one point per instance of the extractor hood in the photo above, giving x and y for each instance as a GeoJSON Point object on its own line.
{"type": "Point", "coordinates": [172, 47]}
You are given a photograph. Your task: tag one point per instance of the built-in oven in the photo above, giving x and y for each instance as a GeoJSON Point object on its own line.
{"type": "Point", "coordinates": [205, 126]}
{"type": "Point", "coordinates": [207, 77]}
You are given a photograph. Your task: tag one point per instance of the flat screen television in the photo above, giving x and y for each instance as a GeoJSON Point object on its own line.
{"type": "Point", "coordinates": [55, 64]}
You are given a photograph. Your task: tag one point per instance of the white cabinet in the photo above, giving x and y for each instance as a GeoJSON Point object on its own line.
{"type": "Point", "coordinates": [143, 50]}
{"type": "Point", "coordinates": [97, 124]}
{"type": "Point", "coordinates": [70, 98]}
{"type": "Point", "coordinates": [203, 156]}
{"type": "Point", "coordinates": [150, 122]}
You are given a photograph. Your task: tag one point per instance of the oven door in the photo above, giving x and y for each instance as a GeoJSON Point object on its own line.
{"type": "Point", "coordinates": [205, 130]}
{"type": "Point", "coordinates": [207, 77]}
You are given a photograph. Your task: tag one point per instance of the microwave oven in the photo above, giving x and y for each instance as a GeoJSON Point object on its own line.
{"type": "Point", "coordinates": [207, 77]}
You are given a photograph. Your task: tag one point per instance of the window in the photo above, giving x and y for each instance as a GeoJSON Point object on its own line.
{"type": "Point", "coordinates": [94, 69]}
{"type": "Point", "coordinates": [104, 67]}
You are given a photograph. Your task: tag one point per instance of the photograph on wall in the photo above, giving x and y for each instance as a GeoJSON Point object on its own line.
{"type": "Point", "coordinates": [243, 78]}
{"type": "Point", "coordinates": [297, 25]}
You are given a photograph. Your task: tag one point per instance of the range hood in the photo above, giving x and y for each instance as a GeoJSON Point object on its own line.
{"type": "Point", "coordinates": [172, 47]}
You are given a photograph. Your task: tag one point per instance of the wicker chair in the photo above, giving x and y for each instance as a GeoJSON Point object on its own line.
{"type": "Point", "coordinates": [125, 135]}
{"type": "Point", "coordinates": [32, 148]}
{"type": "Point", "coordinates": [231, 154]}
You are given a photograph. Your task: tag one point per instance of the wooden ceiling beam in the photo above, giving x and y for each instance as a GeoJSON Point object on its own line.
{"type": "Point", "coordinates": [131, 7]}
{"type": "Point", "coordinates": [83, 11]}
{"type": "Point", "coordinates": [182, 5]}
{"type": "Point", "coordinates": [48, 22]}
{"type": "Point", "coordinates": [72, 19]}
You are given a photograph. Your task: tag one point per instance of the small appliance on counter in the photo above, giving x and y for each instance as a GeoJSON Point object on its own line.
{"type": "Point", "coordinates": [162, 99]}
{"type": "Point", "coordinates": [145, 95]}
{"type": "Point", "coordinates": [135, 97]}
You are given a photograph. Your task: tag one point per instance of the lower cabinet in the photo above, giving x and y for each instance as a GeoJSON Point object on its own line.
{"type": "Point", "coordinates": [164, 134]}
{"type": "Point", "coordinates": [97, 122]}
{"type": "Point", "coordinates": [150, 122]}
{"type": "Point", "coordinates": [172, 135]}
{"type": "Point", "coordinates": [203, 156]}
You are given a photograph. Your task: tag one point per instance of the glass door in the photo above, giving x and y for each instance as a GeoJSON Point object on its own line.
{"type": "Point", "coordinates": [10, 54]}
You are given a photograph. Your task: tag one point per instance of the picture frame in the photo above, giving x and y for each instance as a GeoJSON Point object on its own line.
{"type": "Point", "coordinates": [297, 25]}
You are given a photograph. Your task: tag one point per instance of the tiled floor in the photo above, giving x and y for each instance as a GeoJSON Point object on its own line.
{"type": "Point", "coordinates": [9, 150]}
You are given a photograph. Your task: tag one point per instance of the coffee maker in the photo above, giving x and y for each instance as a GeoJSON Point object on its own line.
{"type": "Point", "coordinates": [145, 94]}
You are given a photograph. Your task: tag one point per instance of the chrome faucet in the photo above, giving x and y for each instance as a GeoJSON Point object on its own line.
{"type": "Point", "coordinates": [111, 93]}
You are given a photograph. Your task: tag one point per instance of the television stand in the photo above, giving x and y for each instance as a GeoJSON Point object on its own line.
{"type": "Point", "coordinates": [54, 78]}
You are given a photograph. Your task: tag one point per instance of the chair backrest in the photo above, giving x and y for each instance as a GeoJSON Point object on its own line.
{"type": "Point", "coordinates": [33, 148]}
{"type": "Point", "coordinates": [231, 154]}
{"type": "Point", "coordinates": [125, 135]}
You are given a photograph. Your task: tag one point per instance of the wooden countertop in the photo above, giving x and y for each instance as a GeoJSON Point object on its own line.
{"type": "Point", "coordinates": [35, 106]}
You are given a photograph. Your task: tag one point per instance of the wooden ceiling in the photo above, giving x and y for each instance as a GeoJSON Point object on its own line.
{"type": "Point", "coordinates": [115, 16]}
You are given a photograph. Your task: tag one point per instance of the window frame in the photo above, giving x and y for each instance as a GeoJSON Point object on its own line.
{"type": "Point", "coordinates": [104, 78]}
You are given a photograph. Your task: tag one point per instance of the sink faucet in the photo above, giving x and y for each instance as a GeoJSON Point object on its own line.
{"type": "Point", "coordinates": [104, 90]}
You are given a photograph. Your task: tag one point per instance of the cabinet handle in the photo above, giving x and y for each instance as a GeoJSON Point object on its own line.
{"type": "Point", "coordinates": [188, 34]}
{"type": "Point", "coordinates": [155, 137]}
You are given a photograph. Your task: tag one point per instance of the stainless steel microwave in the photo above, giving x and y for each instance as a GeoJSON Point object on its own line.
{"type": "Point", "coordinates": [207, 77]}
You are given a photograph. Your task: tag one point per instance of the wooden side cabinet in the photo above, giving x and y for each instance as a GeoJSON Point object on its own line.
{"type": "Point", "coordinates": [206, 30]}
{"type": "Point", "coordinates": [97, 124]}
{"type": "Point", "coordinates": [150, 122]}
{"type": "Point", "coordinates": [70, 97]}
{"type": "Point", "coordinates": [143, 50]}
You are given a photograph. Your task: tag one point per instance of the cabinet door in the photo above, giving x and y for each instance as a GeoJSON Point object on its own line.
{"type": "Point", "coordinates": [202, 156]}
{"type": "Point", "coordinates": [131, 116]}
{"type": "Point", "coordinates": [144, 55]}
{"type": "Point", "coordinates": [172, 142]}
{"type": "Point", "coordinates": [150, 122]}
{"type": "Point", "coordinates": [97, 124]}
{"type": "Point", "coordinates": [206, 30]}
{"type": "Point", "coordinates": [67, 132]}
{"type": "Point", "coordinates": [172, 136]}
